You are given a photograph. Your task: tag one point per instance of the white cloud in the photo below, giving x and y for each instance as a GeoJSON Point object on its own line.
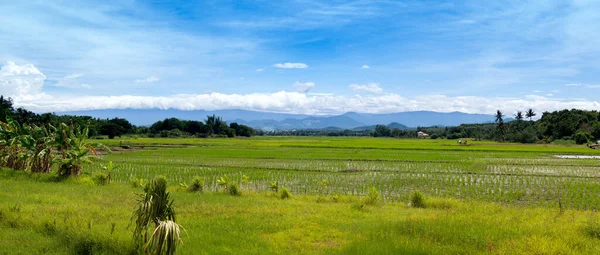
{"type": "Point", "coordinates": [149, 79]}
{"type": "Point", "coordinates": [260, 70]}
{"type": "Point", "coordinates": [369, 87]}
{"type": "Point", "coordinates": [70, 81]}
{"type": "Point", "coordinates": [74, 76]}
{"type": "Point", "coordinates": [304, 87]}
{"type": "Point", "coordinates": [365, 67]}
{"type": "Point", "coordinates": [23, 82]}
{"type": "Point", "coordinates": [587, 86]}
{"type": "Point", "coordinates": [288, 65]}
{"type": "Point", "coordinates": [549, 95]}
{"type": "Point", "coordinates": [466, 21]}
{"type": "Point", "coordinates": [303, 103]}
{"type": "Point", "coordinates": [537, 91]}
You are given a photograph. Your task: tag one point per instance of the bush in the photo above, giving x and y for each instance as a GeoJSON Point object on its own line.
{"type": "Point", "coordinates": [285, 193]}
{"type": "Point", "coordinates": [136, 183]}
{"type": "Point", "coordinates": [196, 186]}
{"type": "Point", "coordinates": [372, 197]}
{"type": "Point", "coordinates": [101, 178]}
{"type": "Point", "coordinates": [582, 137]}
{"type": "Point", "coordinates": [234, 190]}
{"type": "Point", "coordinates": [417, 200]}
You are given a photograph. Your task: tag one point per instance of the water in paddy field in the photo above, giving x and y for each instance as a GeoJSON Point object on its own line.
{"type": "Point", "coordinates": [577, 156]}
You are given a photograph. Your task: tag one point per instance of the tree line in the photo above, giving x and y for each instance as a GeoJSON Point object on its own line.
{"type": "Point", "coordinates": [213, 126]}
{"type": "Point", "coordinates": [580, 126]}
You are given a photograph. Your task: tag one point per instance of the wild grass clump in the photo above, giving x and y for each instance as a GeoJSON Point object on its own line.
{"type": "Point", "coordinates": [592, 229]}
{"type": "Point", "coordinates": [234, 189]}
{"type": "Point", "coordinates": [372, 197]}
{"type": "Point", "coordinates": [442, 203]}
{"type": "Point", "coordinates": [197, 185]}
{"type": "Point", "coordinates": [101, 178]}
{"type": "Point", "coordinates": [285, 194]}
{"type": "Point", "coordinates": [137, 182]}
{"type": "Point", "coordinates": [417, 199]}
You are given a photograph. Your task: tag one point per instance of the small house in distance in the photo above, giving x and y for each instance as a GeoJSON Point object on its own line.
{"type": "Point", "coordinates": [422, 134]}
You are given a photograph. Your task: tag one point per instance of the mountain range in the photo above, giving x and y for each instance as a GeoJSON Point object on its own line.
{"type": "Point", "coordinates": [286, 121]}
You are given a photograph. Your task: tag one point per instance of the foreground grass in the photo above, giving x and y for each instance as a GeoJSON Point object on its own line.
{"type": "Point", "coordinates": [40, 215]}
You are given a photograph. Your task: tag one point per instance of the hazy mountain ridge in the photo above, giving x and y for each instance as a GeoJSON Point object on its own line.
{"type": "Point", "coordinates": [285, 121]}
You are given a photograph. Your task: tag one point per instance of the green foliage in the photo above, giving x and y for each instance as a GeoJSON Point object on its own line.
{"type": "Point", "coordinates": [197, 185]}
{"type": "Point", "coordinates": [137, 182]}
{"type": "Point", "coordinates": [234, 189]}
{"type": "Point", "coordinates": [592, 229]}
{"type": "Point", "coordinates": [156, 206]}
{"type": "Point", "coordinates": [223, 182]}
{"type": "Point", "coordinates": [274, 186]}
{"type": "Point", "coordinates": [417, 200]}
{"type": "Point", "coordinates": [285, 193]}
{"type": "Point", "coordinates": [372, 197]}
{"type": "Point", "coordinates": [101, 178]}
{"type": "Point", "coordinates": [582, 137]}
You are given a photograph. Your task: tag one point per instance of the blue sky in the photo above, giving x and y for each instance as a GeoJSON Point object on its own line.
{"type": "Point", "coordinates": [304, 56]}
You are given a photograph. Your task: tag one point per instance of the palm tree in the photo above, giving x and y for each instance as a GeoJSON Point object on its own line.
{"type": "Point", "coordinates": [530, 114]}
{"type": "Point", "coordinates": [499, 117]}
{"type": "Point", "coordinates": [500, 125]}
{"type": "Point", "coordinates": [155, 206]}
{"type": "Point", "coordinates": [519, 116]}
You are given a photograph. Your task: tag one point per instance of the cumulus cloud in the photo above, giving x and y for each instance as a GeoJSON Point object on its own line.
{"type": "Point", "coordinates": [369, 87]}
{"type": "Point", "coordinates": [288, 65]}
{"type": "Point", "coordinates": [23, 82]}
{"type": "Point", "coordinates": [149, 79]}
{"type": "Point", "coordinates": [70, 81]}
{"type": "Point", "coordinates": [307, 103]}
{"type": "Point", "coordinates": [304, 87]}
{"type": "Point", "coordinates": [365, 67]}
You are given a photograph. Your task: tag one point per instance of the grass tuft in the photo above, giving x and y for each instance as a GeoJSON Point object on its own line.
{"type": "Point", "coordinates": [417, 200]}
{"type": "Point", "coordinates": [197, 185]}
{"type": "Point", "coordinates": [285, 194]}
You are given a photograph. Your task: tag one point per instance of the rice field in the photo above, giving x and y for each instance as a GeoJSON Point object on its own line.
{"type": "Point", "coordinates": [480, 199]}
{"type": "Point", "coordinates": [514, 174]}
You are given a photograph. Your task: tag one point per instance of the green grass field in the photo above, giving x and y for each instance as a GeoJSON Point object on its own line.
{"type": "Point", "coordinates": [482, 198]}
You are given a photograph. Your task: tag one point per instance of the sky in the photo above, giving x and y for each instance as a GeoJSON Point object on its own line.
{"type": "Point", "coordinates": [301, 56]}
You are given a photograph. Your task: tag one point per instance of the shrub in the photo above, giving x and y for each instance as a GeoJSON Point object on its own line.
{"type": "Point", "coordinates": [136, 183]}
{"type": "Point", "coordinates": [274, 186]}
{"type": "Point", "coordinates": [582, 137]}
{"type": "Point", "coordinates": [101, 178]}
{"type": "Point", "coordinates": [592, 229]}
{"type": "Point", "coordinates": [417, 200]}
{"type": "Point", "coordinates": [234, 190]}
{"type": "Point", "coordinates": [372, 197]}
{"type": "Point", "coordinates": [285, 193]}
{"type": "Point", "coordinates": [196, 186]}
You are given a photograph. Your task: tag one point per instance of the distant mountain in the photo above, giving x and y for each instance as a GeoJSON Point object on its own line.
{"type": "Point", "coordinates": [284, 121]}
{"type": "Point", "coordinates": [421, 118]}
{"type": "Point", "coordinates": [391, 125]}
